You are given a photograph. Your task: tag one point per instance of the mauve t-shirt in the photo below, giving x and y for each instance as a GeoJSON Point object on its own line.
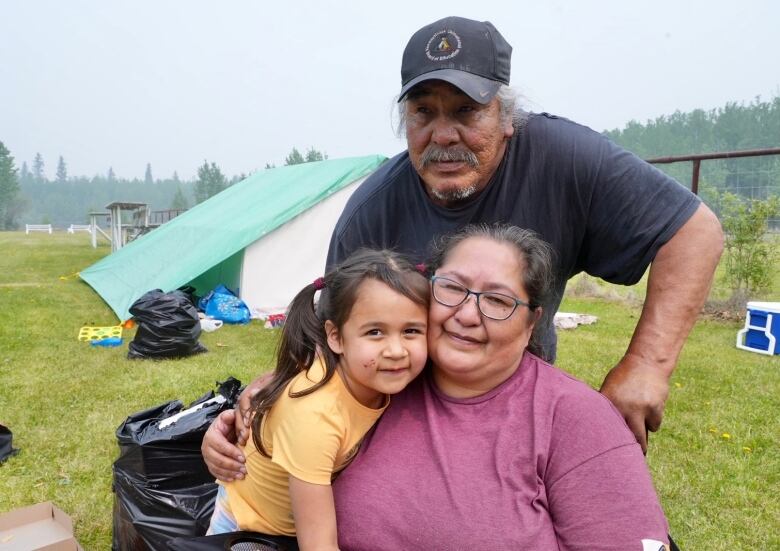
{"type": "Point", "coordinates": [540, 462]}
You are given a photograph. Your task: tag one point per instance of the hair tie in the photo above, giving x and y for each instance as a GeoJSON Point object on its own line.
{"type": "Point", "coordinates": [422, 268]}
{"type": "Point", "coordinates": [319, 283]}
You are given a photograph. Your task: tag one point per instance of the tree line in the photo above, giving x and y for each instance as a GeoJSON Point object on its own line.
{"type": "Point", "coordinates": [27, 195]}
{"type": "Point", "coordinates": [736, 126]}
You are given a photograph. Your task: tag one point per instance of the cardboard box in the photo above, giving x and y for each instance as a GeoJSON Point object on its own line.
{"type": "Point", "coordinates": [40, 527]}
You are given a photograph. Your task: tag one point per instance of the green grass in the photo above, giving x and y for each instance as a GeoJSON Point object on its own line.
{"type": "Point", "coordinates": [64, 400]}
{"type": "Point", "coordinates": [718, 492]}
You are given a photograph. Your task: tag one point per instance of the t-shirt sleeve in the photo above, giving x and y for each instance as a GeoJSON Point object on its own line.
{"type": "Point", "coordinates": [599, 490]}
{"type": "Point", "coordinates": [607, 503]}
{"type": "Point", "coordinates": [632, 208]}
{"type": "Point", "coordinates": [306, 444]}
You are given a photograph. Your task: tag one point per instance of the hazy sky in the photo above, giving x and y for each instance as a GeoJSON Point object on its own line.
{"type": "Point", "coordinates": [240, 83]}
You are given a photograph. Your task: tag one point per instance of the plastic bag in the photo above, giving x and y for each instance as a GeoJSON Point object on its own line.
{"type": "Point", "coordinates": [6, 443]}
{"type": "Point", "coordinates": [222, 304]}
{"type": "Point", "coordinates": [162, 488]}
{"type": "Point", "coordinates": [168, 326]}
{"type": "Point", "coordinates": [190, 292]}
{"type": "Point", "coordinates": [209, 325]}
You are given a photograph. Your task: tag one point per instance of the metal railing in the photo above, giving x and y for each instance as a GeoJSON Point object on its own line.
{"type": "Point", "coordinates": [697, 159]}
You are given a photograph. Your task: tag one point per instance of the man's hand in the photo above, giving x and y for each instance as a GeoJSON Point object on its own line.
{"type": "Point", "coordinates": [223, 459]}
{"type": "Point", "coordinates": [244, 408]}
{"type": "Point", "coordinates": [638, 390]}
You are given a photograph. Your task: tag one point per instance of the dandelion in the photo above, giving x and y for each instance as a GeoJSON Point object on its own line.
{"type": "Point", "coordinates": [713, 430]}
{"type": "Point", "coordinates": [746, 449]}
{"type": "Point", "coordinates": [678, 385]}
{"type": "Point", "coordinates": [725, 436]}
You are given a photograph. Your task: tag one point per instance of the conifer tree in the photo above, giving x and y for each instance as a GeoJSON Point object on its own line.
{"type": "Point", "coordinates": [314, 155]}
{"type": "Point", "coordinates": [294, 158]}
{"type": "Point", "coordinates": [62, 170]}
{"type": "Point", "coordinates": [179, 201]}
{"type": "Point", "coordinates": [38, 165]}
{"type": "Point", "coordinates": [9, 189]}
{"type": "Point", "coordinates": [210, 181]}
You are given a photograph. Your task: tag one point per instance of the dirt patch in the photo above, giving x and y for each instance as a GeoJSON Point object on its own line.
{"type": "Point", "coordinates": [584, 286]}
{"type": "Point", "coordinates": [733, 308]}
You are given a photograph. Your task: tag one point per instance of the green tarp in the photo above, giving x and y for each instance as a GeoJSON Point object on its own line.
{"type": "Point", "coordinates": [219, 229]}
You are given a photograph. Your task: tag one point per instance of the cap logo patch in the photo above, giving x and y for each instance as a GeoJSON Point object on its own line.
{"type": "Point", "coordinates": [443, 45]}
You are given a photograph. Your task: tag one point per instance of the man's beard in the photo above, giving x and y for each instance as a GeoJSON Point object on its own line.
{"type": "Point", "coordinates": [437, 153]}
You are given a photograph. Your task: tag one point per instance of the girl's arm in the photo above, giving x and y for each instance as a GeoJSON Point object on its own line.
{"type": "Point", "coordinates": [315, 515]}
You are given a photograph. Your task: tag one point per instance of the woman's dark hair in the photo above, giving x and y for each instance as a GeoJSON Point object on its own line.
{"type": "Point", "coordinates": [303, 336]}
{"type": "Point", "coordinates": [537, 273]}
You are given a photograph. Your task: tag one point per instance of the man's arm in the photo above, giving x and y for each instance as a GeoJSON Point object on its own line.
{"type": "Point", "coordinates": [229, 430]}
{"type": "Point", "coordinates": [678, 284]}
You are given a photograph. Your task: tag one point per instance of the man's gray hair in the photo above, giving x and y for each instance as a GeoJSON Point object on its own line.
{"type": "Point", "coordinates": [508, 99]}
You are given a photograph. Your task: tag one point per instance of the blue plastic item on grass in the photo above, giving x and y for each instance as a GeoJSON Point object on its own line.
{"type": "Point", "coordinates": [222, 304]}
{"type": "Point", "coordinates": [111, 341]}
{"type": "Point", "coordinates": [762, 328]}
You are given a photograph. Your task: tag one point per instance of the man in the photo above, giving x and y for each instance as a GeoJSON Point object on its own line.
{"type": "Point", "coordinates": [474, 157]}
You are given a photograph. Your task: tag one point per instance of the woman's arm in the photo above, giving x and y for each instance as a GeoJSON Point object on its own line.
{"type": "Point", "coordinates": [599, 491]}
{"type": "Point", "coordinates": [609, 503]}
{"type": "Point", "coordinates": [315, 515]}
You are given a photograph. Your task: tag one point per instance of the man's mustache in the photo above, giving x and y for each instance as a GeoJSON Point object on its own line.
{"type": "Point", "coordinates": [437, 153]}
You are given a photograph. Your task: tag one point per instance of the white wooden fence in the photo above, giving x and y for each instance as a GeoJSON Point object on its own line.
{"type": "Point", "coordinates": [37, 227]}
{"type": "Point", "coordinates": [73, 228]}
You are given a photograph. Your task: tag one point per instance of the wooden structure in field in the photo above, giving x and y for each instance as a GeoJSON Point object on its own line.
{"type": "Point", "coordinates": [120, 233]}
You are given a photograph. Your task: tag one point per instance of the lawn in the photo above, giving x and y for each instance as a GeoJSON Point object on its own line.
{"type": "Point", "coordinates": [716, 461]}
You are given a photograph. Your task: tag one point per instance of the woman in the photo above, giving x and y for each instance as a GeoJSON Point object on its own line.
{"type": "Point", "coordinates": [493, 448]}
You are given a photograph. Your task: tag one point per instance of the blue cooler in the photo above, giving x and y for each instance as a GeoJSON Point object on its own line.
{"type": "Point", "coordinates": [762, 328]}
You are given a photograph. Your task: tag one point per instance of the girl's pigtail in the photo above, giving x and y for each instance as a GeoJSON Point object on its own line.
{"type": "Point", "coordinates": [303, 337]}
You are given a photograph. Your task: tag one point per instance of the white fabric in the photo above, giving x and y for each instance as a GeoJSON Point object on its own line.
{"type": "Point", "coordinates": [279, 264]}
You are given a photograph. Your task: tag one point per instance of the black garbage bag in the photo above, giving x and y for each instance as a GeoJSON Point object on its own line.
{"type": "Point", "coordinates": [234, 541]}
{"type": "Point", "coordinates": [162, 488]}
{"type": "Point", "coordinates": [168, 326]}
{"type": "Point", "coordinates": [191, 293]}
{"type": "Point", "coordinates": [6, 443]}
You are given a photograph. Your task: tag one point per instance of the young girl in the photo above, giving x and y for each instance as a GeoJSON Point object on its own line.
{"type": "Point", "coordinates": [332, 380]}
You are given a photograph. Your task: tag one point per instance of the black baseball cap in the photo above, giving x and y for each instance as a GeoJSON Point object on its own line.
{"type": "Point", "coordinates": [471, 55]}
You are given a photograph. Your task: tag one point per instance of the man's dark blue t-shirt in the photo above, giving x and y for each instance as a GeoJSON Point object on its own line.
{"type": "Point", "coordinates": [603, 210]}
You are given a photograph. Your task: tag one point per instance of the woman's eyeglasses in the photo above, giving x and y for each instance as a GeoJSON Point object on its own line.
{"type": "Point", "coordinates": [496, 306]}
